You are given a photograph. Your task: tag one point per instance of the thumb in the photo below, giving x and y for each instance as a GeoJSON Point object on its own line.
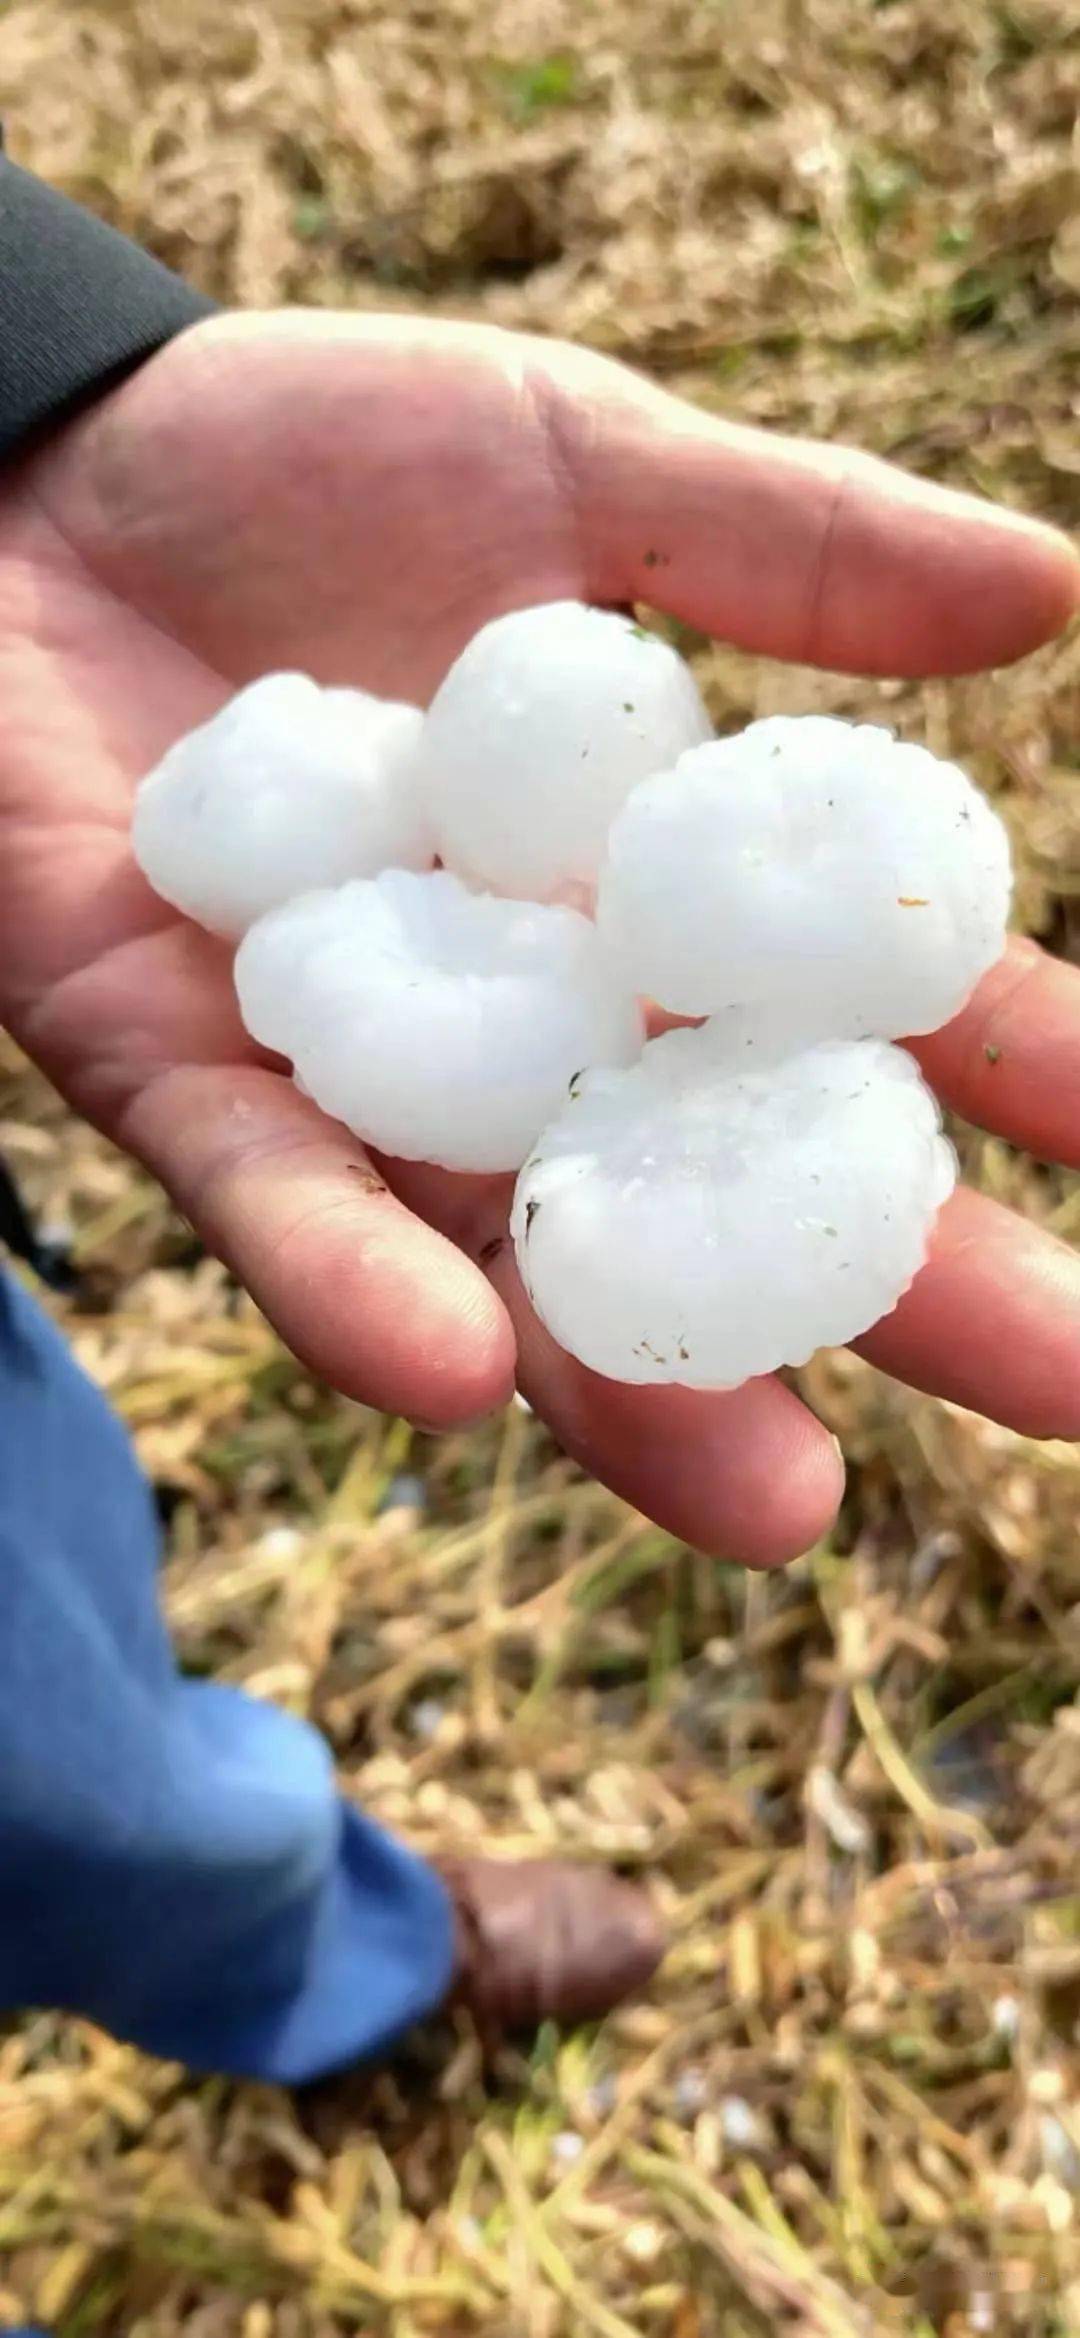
{"type": "Point", "coordinates": [800, 550]}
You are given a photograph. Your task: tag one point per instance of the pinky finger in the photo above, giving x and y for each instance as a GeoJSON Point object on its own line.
{"type": "Point", "coordinates": [367, 1296]}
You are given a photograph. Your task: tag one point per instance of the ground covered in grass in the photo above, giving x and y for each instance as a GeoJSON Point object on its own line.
{"type": "Point", "coordinates": [850, 2107]}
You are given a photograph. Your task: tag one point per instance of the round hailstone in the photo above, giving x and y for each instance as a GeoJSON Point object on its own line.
{"type": "Point", "coordinates": [440, 1024]}
{"type": "Point", "coordinates": [818, 873]}
{"type": "Point", "coordinates": [288, 787]}
{"type": "Point", "coordinates": [690, 1221]}
{"type": "Point", "coordinates": [536, 737]}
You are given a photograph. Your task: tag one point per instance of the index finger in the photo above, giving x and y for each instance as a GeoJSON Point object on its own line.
{"type": "Point", "coordinates": [1010, 1060]}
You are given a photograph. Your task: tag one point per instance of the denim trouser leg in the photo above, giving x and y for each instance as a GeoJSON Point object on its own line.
{"type": "Point", "coordinates": [174, 1860]}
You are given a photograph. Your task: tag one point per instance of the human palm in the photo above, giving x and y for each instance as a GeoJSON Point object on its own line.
{"type": "Point", "coordinates": [354, 497]}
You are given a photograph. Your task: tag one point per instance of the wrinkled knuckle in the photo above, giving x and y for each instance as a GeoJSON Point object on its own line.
{"type": "Point", "coordinates": [824, 566]}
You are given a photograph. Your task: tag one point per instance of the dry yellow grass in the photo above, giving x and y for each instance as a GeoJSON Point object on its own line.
{"type": "Point", "coordinates": [852, 2106]}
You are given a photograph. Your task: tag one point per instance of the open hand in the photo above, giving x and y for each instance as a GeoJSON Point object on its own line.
{"type": "Point", "coordinates": [355, 496]}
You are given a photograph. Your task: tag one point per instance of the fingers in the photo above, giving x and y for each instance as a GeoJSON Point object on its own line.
{"type": "Point", "coordinates": [748, 1476]}
{"type": "Point", "coordinates": [801, 551]}
{"type": "Point", "coordinates": [374, 1302]}
{"type": "Point", "coordinates": [1010, 1061]}
{"type": "Point", "coordinates": [992, 1322]}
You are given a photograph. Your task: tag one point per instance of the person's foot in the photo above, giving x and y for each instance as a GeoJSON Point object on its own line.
{"type": "Point", "coordinates": [544, 1940]}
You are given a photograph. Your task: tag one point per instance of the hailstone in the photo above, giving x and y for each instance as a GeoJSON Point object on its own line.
{"type": "Point", "coordinates": [438, 1023]}
{"type": "Point", "coordinates": [819, 874]}
{"type": "Point", "coordinates": [536, 736]}
{"type": "Point", "coordinates": [701, 1219]}
{"type": "Point", "coordinates": [288, 787]}
{"type": "Point", "coordinates": [699, 1210]}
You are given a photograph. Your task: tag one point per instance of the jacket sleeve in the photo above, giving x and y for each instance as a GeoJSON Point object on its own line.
{"type": "Point", "coordinates": [80, 306]}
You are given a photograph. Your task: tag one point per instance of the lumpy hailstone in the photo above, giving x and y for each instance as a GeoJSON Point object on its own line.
{"type": "Point", "coordinates": [690, 1221]}
{"type": "Point", "coordinates": [290, 786]}
{"type": "Point", "coordinates": [821, 874]}
{"type": "Point", "coordinates": [546, 721]}
{"type": "Point", "coordinates": [440, 1024]}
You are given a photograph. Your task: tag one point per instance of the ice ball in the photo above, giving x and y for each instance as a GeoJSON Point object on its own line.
{"type": "Point", "coordinates": [694, 1220]}
{"type": "Point", "coordinates": [546, 721]}
{"type": "Point", "coordinates": [821, 874]}
{"type": "Point", "coordinates": [438, 1023]}
{"type": "Point", "coordinates": [288, 787]}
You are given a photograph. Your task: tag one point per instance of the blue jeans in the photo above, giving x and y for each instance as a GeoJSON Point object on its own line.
{"type": "Point", "coordinates": [175, 1862]}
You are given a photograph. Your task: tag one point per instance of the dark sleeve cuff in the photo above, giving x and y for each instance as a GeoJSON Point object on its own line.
{"type": "Point", "coordinates": [80, 306]}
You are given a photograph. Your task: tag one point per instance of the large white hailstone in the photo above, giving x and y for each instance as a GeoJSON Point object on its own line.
{"type": "Point", "coordinates": [821, 874]}
{"type": "Point", "coordinates": [288, 787]}
{"type": "Point", "coordinates": [437, 1023]}
{"type": "Point", "coordinates": [697, 1221]}
{"type": "Point", "coordinates": [546, 721]}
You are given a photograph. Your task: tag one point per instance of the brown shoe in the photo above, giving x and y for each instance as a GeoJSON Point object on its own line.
{"type": "Point", "coordinates": [544, 1940]}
